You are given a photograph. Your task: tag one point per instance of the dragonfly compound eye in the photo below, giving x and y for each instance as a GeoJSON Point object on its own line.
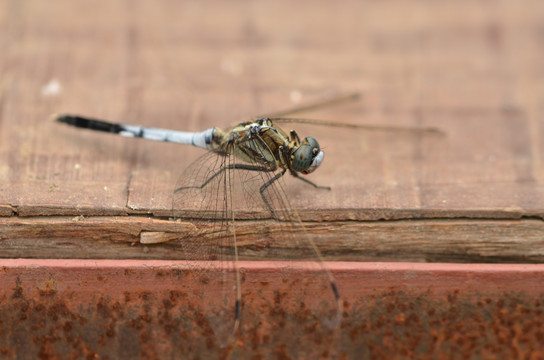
{"type": "Point", "coordinates": [307, 157]}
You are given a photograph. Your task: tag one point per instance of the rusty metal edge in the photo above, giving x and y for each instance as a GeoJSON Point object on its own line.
{"type": "Point", "coordinates": [141, 308]}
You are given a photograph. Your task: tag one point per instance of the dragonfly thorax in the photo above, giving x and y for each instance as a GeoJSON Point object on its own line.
{"type": "Point", "coordinates": [262, 142]}
{"type": "Point", "coordinates": [307, 156]}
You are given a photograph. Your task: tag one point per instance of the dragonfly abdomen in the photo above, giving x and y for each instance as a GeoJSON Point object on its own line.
{"type": "Point", "coordinates": [202, 139]}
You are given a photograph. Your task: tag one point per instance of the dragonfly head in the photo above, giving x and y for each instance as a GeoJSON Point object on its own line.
{"type": "Point", "coordinates": [307, 157]}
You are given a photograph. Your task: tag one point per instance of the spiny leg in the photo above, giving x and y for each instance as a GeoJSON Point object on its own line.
{"type": "Point", "coordinates": [242, 167]}
{"type": "Point", "coordinates": [223, 169]}
{"type": "Point", "coordinates": [294, 136]}
{"type": "Point", "coordinates": [296, 175]}
{"type": "Point", "coordinates": [264, 187]}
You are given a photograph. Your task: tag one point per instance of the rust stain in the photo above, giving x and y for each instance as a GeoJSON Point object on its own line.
{"type": "Point", "coordinates": [112, 313]}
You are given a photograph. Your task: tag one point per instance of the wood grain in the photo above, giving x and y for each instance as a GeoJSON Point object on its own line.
{"type": "Point", "coordinates": [468, 240]}
{"type": "Point", "coordinates": [472, 69]}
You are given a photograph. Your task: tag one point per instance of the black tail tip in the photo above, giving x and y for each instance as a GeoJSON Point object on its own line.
{"type": "Point", "coordinates": [71, 120]}
{"type": "Point", "coordinates": [63, 118]}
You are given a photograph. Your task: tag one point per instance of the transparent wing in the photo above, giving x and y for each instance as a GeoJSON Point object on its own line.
{"type": "Point", "coordinates": [223, 195]}
{"type": "Point", "coordinates": [400, 130]}
{"type": "Point", "coordinates": [201, 195]}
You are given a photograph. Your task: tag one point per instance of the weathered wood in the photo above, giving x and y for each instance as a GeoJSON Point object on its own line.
{"type": "Point", "coordinates": [477, 78]}
{"type": "Point", "coordinates": [469, 240]}
{"type": "Point", "coordinates": [471, 68]}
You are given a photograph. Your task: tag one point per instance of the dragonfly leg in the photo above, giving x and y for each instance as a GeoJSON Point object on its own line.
{"type": "Point", "coordinates": [266, 185]}
{"type": "Point", "coordinates": [296, 175]}
{"type": "Point", "coordinates": [294, 136]}
{"type": "Point", "coordinates": [223, 169]}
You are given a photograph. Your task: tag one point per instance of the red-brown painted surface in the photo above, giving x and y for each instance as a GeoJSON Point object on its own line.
{"type": "Point", "coordinates": [111, 309]}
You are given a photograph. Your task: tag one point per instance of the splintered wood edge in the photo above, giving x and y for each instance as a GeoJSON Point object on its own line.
{"type": "Point", "coordinates": [341, 214]}
{"type": "Point", "coordinates": [158, 237]}
{"type": "Point", "coordinates": [461, 240]}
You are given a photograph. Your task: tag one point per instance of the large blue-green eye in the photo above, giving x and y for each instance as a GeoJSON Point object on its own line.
{"type": "Point", "coordinates": [307, 157]}
{"type": "Point", "coordinates": [312, 142]}
{"type": "Point", "coordinates": [302, 158]}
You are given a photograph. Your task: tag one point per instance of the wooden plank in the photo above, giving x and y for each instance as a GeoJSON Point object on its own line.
{"type": "Point", "coordinates": [130, 309]}
{"type": "Point", "coordinates": [469, 240]}
{"type": "Point", "coordinates": [477, 77]}
{"type": "Point", "coordinates": [472, 69]}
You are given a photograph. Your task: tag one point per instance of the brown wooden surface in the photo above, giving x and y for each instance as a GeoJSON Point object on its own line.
{"type": "Point", "coordinates": [472, 69]}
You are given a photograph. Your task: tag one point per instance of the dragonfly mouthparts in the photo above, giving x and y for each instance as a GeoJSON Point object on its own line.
{"type": "Point", "coordinates": [315, 163]}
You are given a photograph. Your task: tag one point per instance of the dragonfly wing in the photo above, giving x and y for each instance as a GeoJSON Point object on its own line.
{"type": "Point", "coordinates": [318, 291]}
{"type": "Point", "coordinates": [202, 196]}
{"type": "Point", "coordinates": [215, 192]}
{"type": "Point", "coordinates": [264, 193]}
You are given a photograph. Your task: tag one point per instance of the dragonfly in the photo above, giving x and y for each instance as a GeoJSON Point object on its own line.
{"type": "Point", "coordinates": [242, 170]}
